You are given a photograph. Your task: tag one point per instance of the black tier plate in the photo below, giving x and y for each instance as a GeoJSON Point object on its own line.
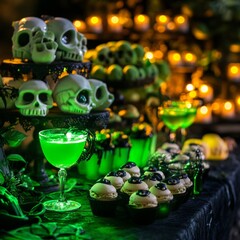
{"type": "Point", "coordinates": [95, 120]}
{"type": "Point", "coordinates": [16, 68]}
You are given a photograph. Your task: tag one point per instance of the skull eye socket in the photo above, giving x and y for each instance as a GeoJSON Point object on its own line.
{"type": "Point", "coordinates": [83, 97]}
{"type": "Point", "coordinates": [129, 53]}
{"type": "Point", "coordinates": [28, 97]}
{"type": "Point", "coordinates": [110, 55]}
{"type": "Point", "coordinates": [43, 97]}
{"type": "Point", "coordinates": [99, 93]}
{"type": "Point", "coordinates": [23, 39]}
{"type": "Point", "coordinates": [101, 57]}
{"type": "Point", "coordinates": [67, 37]}
{"type": "Point", "coordinates": [120, 53]}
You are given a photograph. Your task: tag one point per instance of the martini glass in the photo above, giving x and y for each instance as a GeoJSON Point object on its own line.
{"type": "Point", "coordinates": [63, 148]}
{"type": "Point", "coordinates": [191, 112]}
{"type": "Point", "coordinates": [173, 114]}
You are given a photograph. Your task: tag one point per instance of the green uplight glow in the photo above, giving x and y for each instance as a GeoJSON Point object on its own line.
{"type": "Point", "coordinates": [164, 209]}
{"type": "Point", "coordinates": [140, 150]}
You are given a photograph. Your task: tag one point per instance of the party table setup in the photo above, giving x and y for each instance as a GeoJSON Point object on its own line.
{"type": "Point", "coordinates": [100, 144]}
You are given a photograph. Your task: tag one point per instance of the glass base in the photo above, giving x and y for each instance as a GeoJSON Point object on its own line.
{"type": "Point", "coordinates": [56, 206]}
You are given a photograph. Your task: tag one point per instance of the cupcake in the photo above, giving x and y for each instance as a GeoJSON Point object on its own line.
{"type": "Point", "coordinates": [186, 181]}
{"type": "Point", "coordinates": [143, 207]}
{"type": "Point", "coordinates": [177, 189]}
{"type": "Point", "coordinates": [176, 167]}
{"type": "Point", "coordinates": [180, 157]}
{"type": "Point", "coordinates": [141, 136]}
{"type": "Point", "coordinates": [162, 193]}
{"type": "Point", "coordinates": [172, 148]}
{"type": "Point", "coordinates": [123, 174]}
{"type": "Point", "coordinates": [132, 169]}
{"type": "Point", "coordinates": [152, 169]}
{"type": "Point", "coordinates": [132, 185]}
{"type": "Point", "coordinates": [164, 198]}
{"type": "Point", "coordinates": [115, 179]}
{"type": "Point", "coordinates": [103, 198]}
{"type": "Point", "coordinates": [151, 179]}
{"type": "Point", "coordinates": [158, 157]}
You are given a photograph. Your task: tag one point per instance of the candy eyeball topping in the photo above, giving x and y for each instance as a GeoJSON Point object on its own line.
{"type": "Point", "coordinates": [114, 174]}
{"type": "Point", "coordinates": [157, 176]}
{"type": "Point", "coordinates": [129, 165]}
{"type": "Point", "coordinates": [121, 173]}
{"type": "Point", "coordinates": [152, 177]}
{"type": "Point", "coordinates": [151, 169]}
{"type": "Point", "coordinates": [172, 181]}
{"type": "Point", "coordinates": [135, 180]}
{"type": "Point", "coordinates": [161, 186]}
{"type": "Point", "coordinates": [104, 181]}
{"type": "Point", "coordinates": [143, 193]}
{"type": "Point", "coordinates": [183, 176]}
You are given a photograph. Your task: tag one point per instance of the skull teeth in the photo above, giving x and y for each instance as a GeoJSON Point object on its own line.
{"type": "Point", "coordinates": [33, 112]}
{"type": "Point", "coordinates": [72, 56]}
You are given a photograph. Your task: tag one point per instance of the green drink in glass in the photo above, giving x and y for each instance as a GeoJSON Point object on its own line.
{"type": "Point", "coordinates": [62, 148]}
{"type": "Point", "coordinates": [189, 117]}
{"type": "Point", "coordinates": [191, 106]}
{"type": "Point", "coordinates": [173, 114]}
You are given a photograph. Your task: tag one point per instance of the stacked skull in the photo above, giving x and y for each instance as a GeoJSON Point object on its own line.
{"type": "Point", "coordinates": [120, 60]}
{"type": "Point", "coordinates": [45, 41]}
{"type": "Point", "coordinates": [73, 93]}
{"type": "Point", "coordinates": [55, 39]}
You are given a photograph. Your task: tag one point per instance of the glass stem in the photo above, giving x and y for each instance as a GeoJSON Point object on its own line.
{"type": "Point", "coordinates": [62, 175]}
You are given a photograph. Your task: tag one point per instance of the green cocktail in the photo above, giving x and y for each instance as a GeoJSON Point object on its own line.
{"type": "Point", "coordinates": [174, 117]}
{"type": "Point", "coordinates": [178, 114]}
{"type": "Point", "coordinates": [191, 106]}
{"type": "Point", "coordinates": [62, 148]}
{"type": "Point", "coordinates": [189, 117]}
{"type": "Point", "coordinates": [173, 114]}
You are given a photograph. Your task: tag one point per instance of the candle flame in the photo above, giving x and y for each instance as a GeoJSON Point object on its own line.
{"type": "Point", "coordinates": [180, 20]}
{"type": "Point", "coordinates": [189, 87]}
{"type": "Point", "coordinates": [228, 105]}
{"type": "Point", "coordinates": [234, 70]}
{"type": "Point", "coordinates": [115, 19]}
{"type": "Point", "coordinates": [94, 20]}
{"type": "Point", "coordinates": [203, 110]}
{"type": "Point", "coordinates": [162, 19]}
{"type": "Point", "coordinates": [204, 88]}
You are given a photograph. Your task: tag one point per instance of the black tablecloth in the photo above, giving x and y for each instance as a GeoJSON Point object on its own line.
{"type": "Point", "coordinates": [207, 216]}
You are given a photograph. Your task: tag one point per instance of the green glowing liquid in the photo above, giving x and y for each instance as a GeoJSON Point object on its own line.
{"type": "Point", "coordinates": [106, 162]}
{"type": "Point", "coordinates": [60, 151]}
{"type": "Point", "coordinates": [140, 151]}
{"type": "Point", "coordinates": [189, 117]}
{"type": "Point", "coordinates": [89, 168]}
{"type": "Point", "coordinates": [174, 118]}
{"type": "Point", "coordinates": [120, 157]}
